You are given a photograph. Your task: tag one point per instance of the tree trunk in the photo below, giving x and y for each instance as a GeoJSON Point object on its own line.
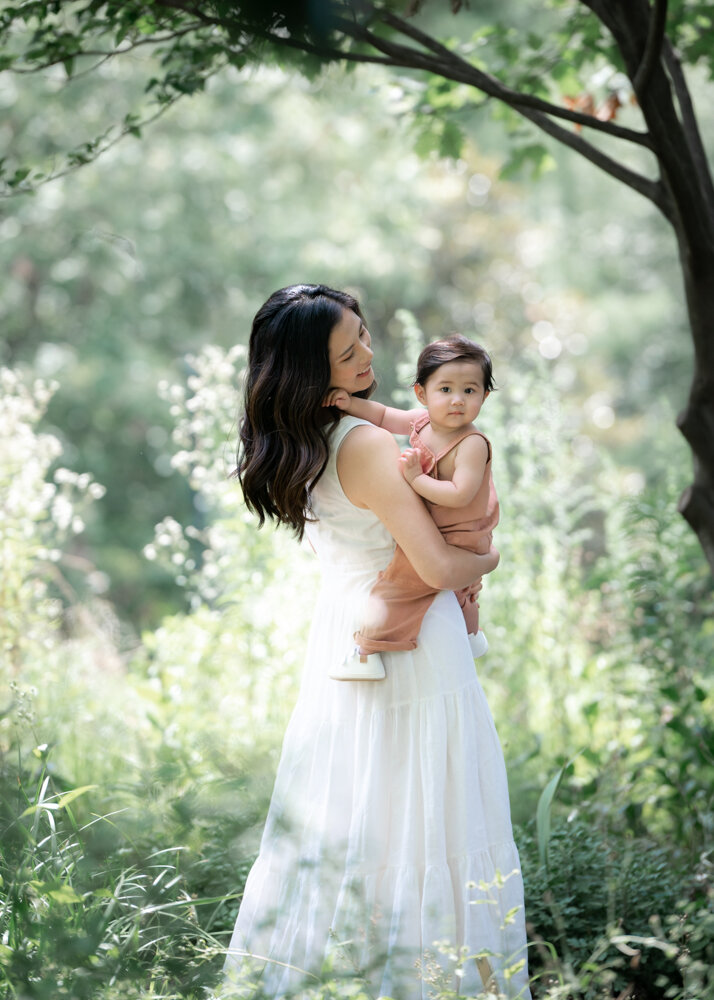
{"type": "Point", "coordinates": [696, 422]}
{"type": "Point", "coordinates": [689, 200]}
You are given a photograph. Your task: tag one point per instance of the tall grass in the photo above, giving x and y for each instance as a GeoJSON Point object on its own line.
{"type": "Point", "coordinates": [135, 778]}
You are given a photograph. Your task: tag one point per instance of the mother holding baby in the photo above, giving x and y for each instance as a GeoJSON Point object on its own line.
{"type": "Point", "coordinates": [388, 846]}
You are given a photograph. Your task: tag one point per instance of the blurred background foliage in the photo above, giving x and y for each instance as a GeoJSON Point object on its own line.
{"type": "Point", "coordinates": [168, 243]}
{"type": "Point", "coordinates": [152, 638]}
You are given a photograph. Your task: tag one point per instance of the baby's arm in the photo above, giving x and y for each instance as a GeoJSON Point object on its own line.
{"type": "Point", "coordinates": [470, 461]}
{"type": "Point", "coordinates": [393, 420]}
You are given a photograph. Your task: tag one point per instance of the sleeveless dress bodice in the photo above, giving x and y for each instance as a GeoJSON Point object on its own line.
{"type": "Point", "coordinates": [344, 537]}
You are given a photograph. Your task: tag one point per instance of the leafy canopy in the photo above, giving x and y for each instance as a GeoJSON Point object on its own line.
{"type": "Point", "coordinates": [523, 51]}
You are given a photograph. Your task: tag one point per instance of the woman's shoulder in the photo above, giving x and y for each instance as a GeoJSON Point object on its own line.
{"type": "Point", "coordinates": [364, 449]}
{"type": "Point", "coordinates": [368, 432]}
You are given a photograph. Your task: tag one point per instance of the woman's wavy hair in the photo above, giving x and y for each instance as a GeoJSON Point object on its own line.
{"type": "Point", "coordinates": [284, 432]}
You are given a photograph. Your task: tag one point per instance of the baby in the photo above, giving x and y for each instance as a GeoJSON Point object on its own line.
{"type": "Point", "coordinates": [449, 465]}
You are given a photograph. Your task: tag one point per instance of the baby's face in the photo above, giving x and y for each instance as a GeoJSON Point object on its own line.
{"type": "Point", "coordinates": [453, 394]}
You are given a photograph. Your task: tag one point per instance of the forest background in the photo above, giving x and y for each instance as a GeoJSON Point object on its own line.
{"type": "Point", "coordinates": [152, 638]}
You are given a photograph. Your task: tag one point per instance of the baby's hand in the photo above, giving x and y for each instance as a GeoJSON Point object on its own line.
{"type": "Point", "coordinates": [410, 464]}
{"type": "Point", "coordinates": [337, 397]}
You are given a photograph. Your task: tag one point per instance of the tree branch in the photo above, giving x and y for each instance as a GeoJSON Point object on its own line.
{"type": "Point", "coordinates": [653, 47]}
{"type": "Point", "coordinates": [468, 74]}
{"type": "Point", "coordinates": [447, 63]}
{"type": "Point", "coordinates": [436, 58]}
{"type": "Point", "coordinates": [103, 54]}
{"type": "Point", "coordinates": [689, 123]}
{"type": "Point", "coordinates": [322, 51]}
{"type": "Point", "coordinates": [124, 131]}
{"type": "Point", "coordinates": [494, 88]}
{"type": "Point", "coordinates": [653, 190]}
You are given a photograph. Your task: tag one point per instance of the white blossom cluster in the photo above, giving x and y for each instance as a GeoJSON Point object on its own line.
{"type": "Point", "coordinates": [39, 511]}
{"type": "Point", "coordinates": [236, 562]}
{"type": "Point", "coordinates": [205, 434]}
{"type": "Point", "coordinates": [205, 431]}
{"type": "Point", "coordinates": [247, 588]}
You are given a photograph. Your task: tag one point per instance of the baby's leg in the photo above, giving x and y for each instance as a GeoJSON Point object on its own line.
{"type": "Point", "coordinates": [392, 621]}
{"type": "Point", "coordinates": [479, 543]}
{"type": "Point", "coordinates": [395, 609]}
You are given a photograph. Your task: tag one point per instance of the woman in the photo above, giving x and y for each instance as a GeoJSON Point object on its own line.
{"type": "Point", "coordinates": [389, 823]}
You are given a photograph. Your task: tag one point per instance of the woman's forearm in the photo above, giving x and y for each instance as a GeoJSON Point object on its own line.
{"type": "Point", "coordinates": [457, 567]}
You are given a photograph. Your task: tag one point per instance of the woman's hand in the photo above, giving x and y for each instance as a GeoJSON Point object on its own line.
{"type": "Point", "coordinates": [337, 397]}
{"type": "Point", "coordinates": [471, 592]}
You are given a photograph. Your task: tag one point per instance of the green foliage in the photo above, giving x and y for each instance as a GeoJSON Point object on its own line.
{"type": "Point", "coordinates": [553, 51]}
{"type": "Point", "coordinates": [599, 616]}
{"type": "Point", "coordinates": [544, 810]}
{"type": "Point", "coordinates": [603, 903]}
{"type": "Point", "coordinates": [127, 836]}
{"type": "Point", "coordinates": [88, 910]}
{"type": "Point", "coordinates": [532, 156]}
{"type": "Point", "coordinates": [38, 516]}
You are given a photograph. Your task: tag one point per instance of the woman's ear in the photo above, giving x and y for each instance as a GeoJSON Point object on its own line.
{"type": "Point", "coordinates": [420, 394]}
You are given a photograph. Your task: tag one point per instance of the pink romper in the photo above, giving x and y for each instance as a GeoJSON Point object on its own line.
{"type": "Point", "coordinates": [399, 598]}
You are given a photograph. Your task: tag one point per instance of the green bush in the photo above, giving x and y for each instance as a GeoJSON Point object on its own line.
{"type": "Point", "coordinates": [134, 780]}
{"type": "Point", "coordinates": [597, 888]}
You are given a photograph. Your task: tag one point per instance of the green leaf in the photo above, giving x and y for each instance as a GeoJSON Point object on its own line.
{"type": "Point", "coordinates": [146, 25]}
{"type": "Point", "coordinates": [18, 177]}
{"type": "Point", "coordinates": [543, 811]}
{"type": "Point", "coordinates": [544, 808]}
{"type": "Point", "coordinates": [452, 140]}
{"type": "Point", "coordinates": [426, 142]}
{"type": "Point", "coordinates": [64, 800]}
{"type": "Point", "coordinates": [533, 156]}
{"type": "Point", "coordinates": [37, 807]}
{"type": "Point", "coordinates": [64, 894]}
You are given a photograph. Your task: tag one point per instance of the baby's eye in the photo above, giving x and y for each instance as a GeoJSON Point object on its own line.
{"type": "Point", "coordinates": [445, 388]}
{"type": "Point", "coordinates": [468, 390]}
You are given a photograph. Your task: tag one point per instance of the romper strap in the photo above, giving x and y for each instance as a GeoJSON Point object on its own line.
{"type": "Point", "coordinates": [468, 433]}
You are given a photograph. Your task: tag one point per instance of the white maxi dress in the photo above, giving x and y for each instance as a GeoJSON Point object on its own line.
{"type": "Point", "coordinates": [388, 848]}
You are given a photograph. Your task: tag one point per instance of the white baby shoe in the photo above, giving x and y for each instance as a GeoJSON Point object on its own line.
{"type": "Point", "coordinates": [478, 643]}
{"type": "Point", "coordinates": [357, 666]}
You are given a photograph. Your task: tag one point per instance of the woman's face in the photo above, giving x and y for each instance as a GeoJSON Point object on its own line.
{"type": "Point", "coordinates": [350, 354]}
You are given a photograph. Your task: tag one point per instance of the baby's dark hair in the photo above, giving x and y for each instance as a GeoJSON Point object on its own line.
{"type": "Point", "coordinates": [453, 348]}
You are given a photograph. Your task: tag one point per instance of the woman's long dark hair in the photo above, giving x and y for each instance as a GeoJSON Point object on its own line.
{"type": "Point", "coordinates": [284, 432]}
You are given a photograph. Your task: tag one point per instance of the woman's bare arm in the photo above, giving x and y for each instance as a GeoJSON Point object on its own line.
{"type": "Point", "coordinates": [370, 476]}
